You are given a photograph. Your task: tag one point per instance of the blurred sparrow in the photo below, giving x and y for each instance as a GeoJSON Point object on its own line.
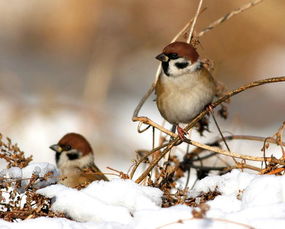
{"type": "Point", "coordinates": [73, 157]}
{"type": "Point", "coordinates": [185, 86]}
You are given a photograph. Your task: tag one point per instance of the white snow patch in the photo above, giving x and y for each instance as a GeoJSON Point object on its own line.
{"type": "Point", "coordinates": [254, 200]}
{"type": "Point", "coordinates": [103, 201]}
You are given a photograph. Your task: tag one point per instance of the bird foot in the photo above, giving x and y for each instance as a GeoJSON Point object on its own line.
{"type": "Point", "coordinates": [181, 133]}
{"type": "Point", "coordinates": [209, 108]}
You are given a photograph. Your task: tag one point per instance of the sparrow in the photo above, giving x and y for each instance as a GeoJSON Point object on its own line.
{"type": "Point", "coordinates": [184, 87]}
{"type": "Point", "coordinates": [73, 157]}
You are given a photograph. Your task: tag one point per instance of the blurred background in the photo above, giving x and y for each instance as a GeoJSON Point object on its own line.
{"type": "Point", "coordinates": [83, 66]}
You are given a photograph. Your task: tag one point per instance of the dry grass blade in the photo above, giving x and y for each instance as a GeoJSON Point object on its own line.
{"type": "Point", "coordinates": [228, 16]}
{"type": "Point", "coordinates": [194, 22]}
{"type": "Point", "coordinates": [235, 155]}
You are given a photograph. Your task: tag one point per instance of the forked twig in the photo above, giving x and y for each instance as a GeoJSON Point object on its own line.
{"type": "Point", "coordinates": [144, 158]}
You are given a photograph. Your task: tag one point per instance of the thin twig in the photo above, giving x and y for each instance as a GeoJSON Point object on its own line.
{"type": "Point", "coordinates": [232, 137]}
{"type": "Point", "coordinates": [232, 93]}
{"type": "Point", "coordinates": [251, 138]}
{"type": "Point", "coordinates": [156, 160]}
{"type": "Point", "coordinates": [144, 158]}
{"type": "Point", "coordinates": [236, 155]}
{"type": "Point", "coordinates": [194, 22]}
{"type": "Point", "coordinates": [219, 129]}
{"type": "Point", "coordinates": [244, 166]}
{"type": "Point", "coordinates": [149, 122]}
{"type": "Point", "coordinates": [228, 16]}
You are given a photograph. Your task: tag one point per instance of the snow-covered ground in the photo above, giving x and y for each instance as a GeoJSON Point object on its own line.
{"type": "Point", "coordinates": [246, 201]}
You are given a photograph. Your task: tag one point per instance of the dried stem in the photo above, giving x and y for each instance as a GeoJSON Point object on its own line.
{"type": "Point", "coordinates": [194, 22]}
{"type": "Point", "coordinates": [177, 141]}
{"type": "Point", "coordinates": [228, 16]}
{"type": "Point", "coordinates": [252, 138]}
{"type": "Point", "coordinates": [144, 158]}
{"type": "Point", "coordinates": [235, 155]}
{"type": "Point", "coordinates": [232, 93]}
{"type": "Point", "coordinates": [149, 122]}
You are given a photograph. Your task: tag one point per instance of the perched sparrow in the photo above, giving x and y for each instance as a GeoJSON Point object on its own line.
{"type": "Point", "coordinates": [185, 86]}
{"type": "Point", "coordinates": [74, 155]}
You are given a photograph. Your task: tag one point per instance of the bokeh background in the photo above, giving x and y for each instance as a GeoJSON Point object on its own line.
{"type": "Point", "coordinates": [69, 65]}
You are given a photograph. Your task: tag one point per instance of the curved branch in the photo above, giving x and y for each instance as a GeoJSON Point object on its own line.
{"type": "Point", "coordinates": [232, 93]}
{"type": "Point", "coordinates": [177, 141]}
{"type": "Point", "coordinates": [235, 155]}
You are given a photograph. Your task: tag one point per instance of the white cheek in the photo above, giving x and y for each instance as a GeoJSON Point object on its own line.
{"type": "Point", "coordinates": [63, 159]}
{"type": "Point", "coordinates": [173, 70]}
{"type": "Point", "coordinates": [81, 162]}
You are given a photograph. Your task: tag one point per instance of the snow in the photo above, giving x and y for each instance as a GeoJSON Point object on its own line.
{"type": "Point", "coordinates": [250, 199]}
{"type": "Point", "coordinates": [39, 169]}
{"type": "Point", "coordinates": [115, 201]}
{"type": "Point", "coordinates": [15, 173]}
{"type": "Point", "coordinates": [227, 184]}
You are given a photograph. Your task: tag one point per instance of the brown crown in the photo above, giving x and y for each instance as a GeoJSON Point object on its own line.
{"type": "Point", "coordinates": [182, 49]}
{"type": "Point", "coordinates": [76, 141]}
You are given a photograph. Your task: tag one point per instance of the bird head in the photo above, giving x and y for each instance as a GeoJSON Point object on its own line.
{"type": "Point", "coordinates": [179, 58]}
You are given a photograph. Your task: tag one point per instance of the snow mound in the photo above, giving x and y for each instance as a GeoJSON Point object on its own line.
{"type": "Point", "coordinates": [101, 201]}
{"type": "Point", "coordinates": [254, 200]}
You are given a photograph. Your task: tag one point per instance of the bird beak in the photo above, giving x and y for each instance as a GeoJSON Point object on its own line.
{"type": "Point", "coordinates": [162, 57]}
{"type": "Point", "coordinates": [56, 148]}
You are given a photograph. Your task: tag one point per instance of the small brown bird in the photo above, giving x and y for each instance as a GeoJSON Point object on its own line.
{"type": "Point", "coordinates": [73, 157]}
{"type": "Point", "coordinates": [185, 86]}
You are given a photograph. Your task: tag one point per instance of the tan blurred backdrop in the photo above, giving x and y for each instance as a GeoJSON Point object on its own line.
{"type": "Point", "coordinates": [69, 65]}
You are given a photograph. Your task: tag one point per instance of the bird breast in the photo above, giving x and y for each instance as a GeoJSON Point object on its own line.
{"type": "Point", "coordinates": [180, 99]}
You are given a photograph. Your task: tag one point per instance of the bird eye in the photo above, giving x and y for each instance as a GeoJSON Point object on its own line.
{"type": "Point", "coordinates": [66, 147]}
{"type": "Point", "coordinates": [173, 55]}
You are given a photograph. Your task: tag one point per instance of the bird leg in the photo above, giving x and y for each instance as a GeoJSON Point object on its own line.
{"type": "Point", "coordinates": [181, 133]}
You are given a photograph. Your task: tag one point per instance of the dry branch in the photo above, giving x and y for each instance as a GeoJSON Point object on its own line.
{"type": "Point", "coordinates": [194, 22]}
{"type": "Point", "coordinates": [228, 16]}
{"type": "Point", "coordinates": [235, 155]}
{"type": "Point", "coordinates": [177, 141]}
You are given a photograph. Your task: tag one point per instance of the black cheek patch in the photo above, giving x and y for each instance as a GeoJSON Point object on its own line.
{"type": "Point", "coordinates": [165, 66]}
{"type": "Point", "coordinates": [181, 65]}
{"type": "Point", "coordinates": [72, 156]}
{"type": "Point", "coordinates": [57, 156]}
